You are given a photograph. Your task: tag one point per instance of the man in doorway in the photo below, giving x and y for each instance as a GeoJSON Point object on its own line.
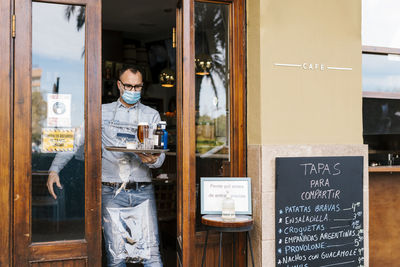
{"type": "Point", "coordinates": [120, 118]}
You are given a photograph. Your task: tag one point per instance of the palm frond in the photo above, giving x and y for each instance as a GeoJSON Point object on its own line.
{"type": "Point", "coordinates": [69, 11]}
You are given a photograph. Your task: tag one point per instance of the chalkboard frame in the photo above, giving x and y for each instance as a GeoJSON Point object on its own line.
{"type": "Point", "coordinates": [289, 192]}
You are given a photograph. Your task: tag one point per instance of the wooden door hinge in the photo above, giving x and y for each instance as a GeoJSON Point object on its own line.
{"type": "Point", "coordinates": [13, 26]}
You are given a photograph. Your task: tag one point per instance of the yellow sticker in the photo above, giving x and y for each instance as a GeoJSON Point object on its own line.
{"type": "Point", "coordinates": [58, 140]}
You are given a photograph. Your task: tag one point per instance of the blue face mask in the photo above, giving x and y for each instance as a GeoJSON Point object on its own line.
{"type": "Point", "coordinates": [131, 97]}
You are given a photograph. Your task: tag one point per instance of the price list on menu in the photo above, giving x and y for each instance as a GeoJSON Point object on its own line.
{"type": "Point", "coordinates": [319, 212]}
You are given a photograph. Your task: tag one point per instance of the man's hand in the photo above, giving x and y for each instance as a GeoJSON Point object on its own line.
{"type": "Point", "coordinates": [53, 178]}
{"type": "Point", "coordinates": [148, 158]}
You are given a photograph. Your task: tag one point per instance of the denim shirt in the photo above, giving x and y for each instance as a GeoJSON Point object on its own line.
{"type": "Point", "coordinates": [118, 118]}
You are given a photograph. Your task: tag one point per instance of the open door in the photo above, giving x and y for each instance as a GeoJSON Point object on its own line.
{"type": "Point", "coordinates": [210, 117]}
{"type": "Point", "coordinates": [57, 103]}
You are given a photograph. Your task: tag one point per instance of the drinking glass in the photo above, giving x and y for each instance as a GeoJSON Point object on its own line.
{"type": "Point", "coordinates": [143, 131]}
{"type": "Point", "coordinates": [148, 143]}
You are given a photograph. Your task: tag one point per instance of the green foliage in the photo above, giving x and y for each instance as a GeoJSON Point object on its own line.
{"type": "Point", "coordinates": [39, 111]}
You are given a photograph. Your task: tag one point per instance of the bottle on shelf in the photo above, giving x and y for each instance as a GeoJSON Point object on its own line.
{"type": "Point", "coordinates": [165, 134]}
{"type": "Point", "coordinates": [158, 136]}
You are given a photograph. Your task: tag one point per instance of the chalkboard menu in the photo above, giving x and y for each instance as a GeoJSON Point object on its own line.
{"type": "Point", "coordinates": [319, 212]}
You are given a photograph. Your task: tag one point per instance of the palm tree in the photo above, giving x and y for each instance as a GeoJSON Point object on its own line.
{"type": "Point", "coordinates": [211, 38]}
{"type": "Point", "coordinates": [80, 18]}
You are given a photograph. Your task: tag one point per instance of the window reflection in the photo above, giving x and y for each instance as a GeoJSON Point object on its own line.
{"type": "Point", "coordinates": [212, 79]}
{"type": "Point", "coordinates": [58, 89]}
{"type": "Point", "coordinates": [380, 22]}
{"type": "Point", "coordinates": [381, 73]}
{"type": "Point", "coordinates": [212, 90]}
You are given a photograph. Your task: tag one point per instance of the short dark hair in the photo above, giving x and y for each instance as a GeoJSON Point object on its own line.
{"type": "Point", "coordinates": [131, 68]}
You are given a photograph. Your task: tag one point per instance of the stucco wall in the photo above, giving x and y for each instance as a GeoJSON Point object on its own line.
{"type": "Point", "coordinates": [294, 105]}
{"type": "Point", "coordinates": [304, 96]}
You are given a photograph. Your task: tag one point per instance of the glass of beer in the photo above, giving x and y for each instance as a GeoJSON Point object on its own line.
{"type": "Point", "coordinates": [143, 131]}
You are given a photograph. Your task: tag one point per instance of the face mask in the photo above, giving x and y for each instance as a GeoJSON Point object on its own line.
{"type": "Point", "coordinates": [131, 97]}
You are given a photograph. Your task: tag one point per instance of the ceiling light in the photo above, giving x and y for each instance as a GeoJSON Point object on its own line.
{"type": "Point", "coordinates": [203, 64]}
{"type": "Point", "coordinates": [167, 78]}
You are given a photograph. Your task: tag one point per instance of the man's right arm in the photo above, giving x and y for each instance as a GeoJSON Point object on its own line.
{"type": "Point", "coordinates": [60, 160]}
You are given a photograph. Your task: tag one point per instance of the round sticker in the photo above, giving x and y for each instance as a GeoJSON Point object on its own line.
{"type": "Point", "coordinates": [59, 108]}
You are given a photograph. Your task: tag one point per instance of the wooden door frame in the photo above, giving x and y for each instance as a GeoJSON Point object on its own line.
{"type": "Point", "coordinates": [186, 134]}
{"type": "Point", "coordinates": [6, 132]}
{"type": "Point", "coordinates": [186, 161]}
{"type": "Point", "coordinates": [90, 247]}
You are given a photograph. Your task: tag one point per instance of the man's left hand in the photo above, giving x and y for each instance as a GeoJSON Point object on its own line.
{"type": "Point", "coordinates": [148, 158]}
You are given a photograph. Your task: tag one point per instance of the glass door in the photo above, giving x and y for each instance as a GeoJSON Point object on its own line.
{"type": "Point", "coordinates": [211, 118]}
{"type": "Point", "coordinates": [57, 133]}
{"type": "Point", "coordinates": [58, 98]}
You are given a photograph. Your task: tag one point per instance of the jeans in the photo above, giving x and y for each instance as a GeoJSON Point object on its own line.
{"type": "Point", "coordinates": [129, 198]}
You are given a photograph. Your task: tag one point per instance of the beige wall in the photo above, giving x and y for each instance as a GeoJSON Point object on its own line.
{"type": "Point", "coordinates": [298, 112]}
{"type": "Point", "coordinates": [291, 105]}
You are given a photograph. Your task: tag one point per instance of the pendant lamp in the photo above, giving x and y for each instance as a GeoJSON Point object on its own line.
{"type": "Point", "coordinates": [203, 64]}
{"type": "Point", "coordinates": [167, 78]}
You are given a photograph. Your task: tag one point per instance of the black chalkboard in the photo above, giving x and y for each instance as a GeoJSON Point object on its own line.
{"type": "Point", "coordinates": [319, 212]}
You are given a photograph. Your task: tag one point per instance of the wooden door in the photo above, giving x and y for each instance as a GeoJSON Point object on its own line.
{"type": "Point", "coordinates": [5, 129]}
{"type": "Point", "coordinates": [57, 103]}
{"type": "Point", "coordinates": [210, 143]}
{"type": "Point", "coordinates": [186, 196]}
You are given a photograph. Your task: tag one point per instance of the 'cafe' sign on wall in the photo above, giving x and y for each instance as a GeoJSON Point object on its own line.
{"type": "Point", "coordinates": [312, 66]}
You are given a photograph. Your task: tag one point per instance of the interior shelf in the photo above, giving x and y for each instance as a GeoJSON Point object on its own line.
{"type": "Point", "coordinates": [393, 168]}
